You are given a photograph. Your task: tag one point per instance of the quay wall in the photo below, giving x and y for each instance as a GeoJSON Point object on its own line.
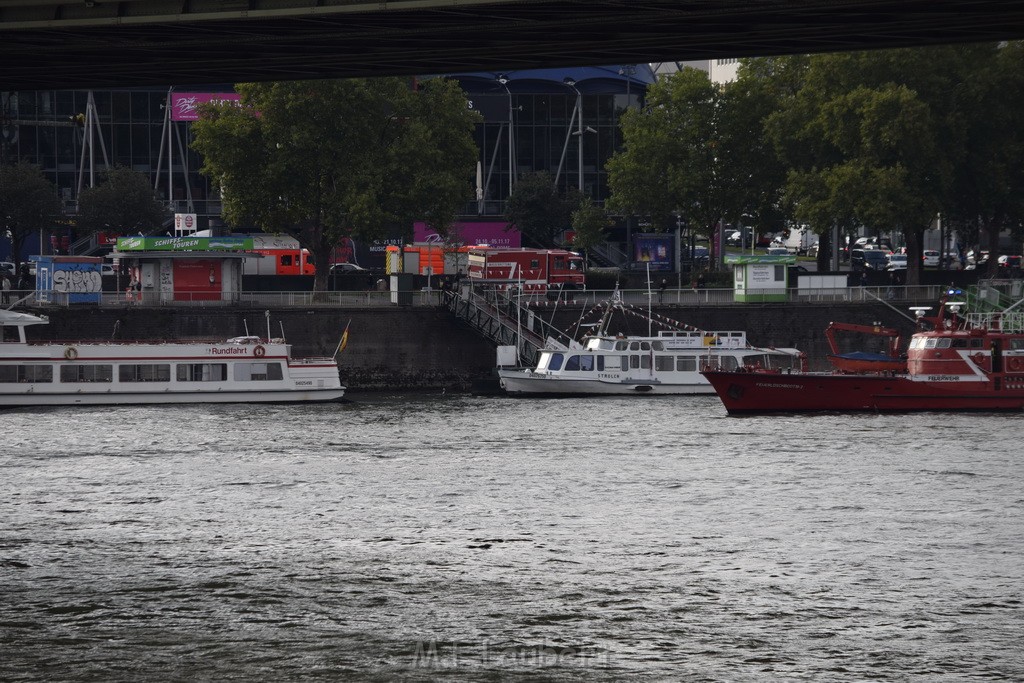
{"type": "Point", "coordinates": [414, 348]}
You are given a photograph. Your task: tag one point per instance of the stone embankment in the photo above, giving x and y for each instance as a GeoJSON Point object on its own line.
{"type": "Point", "coordinates": [406, 348]}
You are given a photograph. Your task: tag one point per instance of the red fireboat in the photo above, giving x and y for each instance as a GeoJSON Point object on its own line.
{"type": "Point", "coordinates": [954, 362]}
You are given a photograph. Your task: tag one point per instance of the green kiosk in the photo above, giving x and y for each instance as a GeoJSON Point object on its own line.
{"type": "Point", "coordinates": [760, 277]}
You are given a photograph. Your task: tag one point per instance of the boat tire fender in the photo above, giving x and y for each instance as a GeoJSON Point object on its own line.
{"type": "Point", "coordinates": [259, 351]}
{"type": "Point", "coordinates": [71, 353]}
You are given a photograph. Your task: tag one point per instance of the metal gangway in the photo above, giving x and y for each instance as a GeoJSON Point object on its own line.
{"type": "Point", "coordinates": [501, 316]}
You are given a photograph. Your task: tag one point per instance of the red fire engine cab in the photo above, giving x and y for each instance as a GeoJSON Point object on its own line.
{"type": "Point", "coordinates": [536, 269]}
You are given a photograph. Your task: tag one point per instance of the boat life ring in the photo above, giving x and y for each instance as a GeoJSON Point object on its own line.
{"type": "Point", "coordinates": [71, 353]}
{"type": "Point", "coordinates": [259, 351]}
{"type": "Point", "coordinates": [1016, 364]}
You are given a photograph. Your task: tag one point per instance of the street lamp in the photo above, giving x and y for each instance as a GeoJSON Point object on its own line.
{"type": "Point", "coordinates": [579, 127]}
{"type": "Point", "coordinates": [503, 80]}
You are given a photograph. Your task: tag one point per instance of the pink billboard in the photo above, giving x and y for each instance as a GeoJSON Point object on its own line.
{"type": "Point", "coordinates": [493, 234]}
{"type": "Point", "coordinates": [184, 104]}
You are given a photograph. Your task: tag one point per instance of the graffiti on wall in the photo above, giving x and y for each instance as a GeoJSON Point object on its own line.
{"type": "Point", "coordinates": [69, 280]}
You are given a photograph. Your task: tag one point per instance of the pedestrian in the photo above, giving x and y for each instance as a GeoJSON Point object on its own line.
{"type": "Point", "coordinates": [662, 286]}
{"type": "Point", "coordinates": [863, 278]}
{"type": "Point", "coordinates": [6, 285]}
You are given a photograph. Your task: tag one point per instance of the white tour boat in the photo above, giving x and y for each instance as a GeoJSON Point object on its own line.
{"type": "Point", "coordinates": [666, 363]}
{"type": "Point", "coordinates": [244, 369]}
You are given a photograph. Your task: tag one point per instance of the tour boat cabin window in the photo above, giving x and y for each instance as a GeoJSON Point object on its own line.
{"type": "Point", "coordinates": [621, 346]}
{"type": "Point", "coordinates": [555, 363]}
{"type": "Point", "coordinates": [573, 363]}
{"type": "Point", "coordinates": [587, 363]}
{"type": "Point", "coordinates": [86, 373]}
{"type": "Point", "coordinates": [257, 372]}
{"type": "Point", "coordinates": [202, 372]}
{"type": "Point", "coordinates": [10, 374]}
{"type": "Point", "coordinates": [657, 346]}
{"type": "Point", "coordinates": [664, 363]}
{"type": "Point", "coordinates": [686, 363]}
{"type": "Point", "coordinates": [147, 372]}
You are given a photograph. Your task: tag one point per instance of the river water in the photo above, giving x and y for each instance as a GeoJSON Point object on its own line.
{"type": "Point", "coordinates": [452, 537]}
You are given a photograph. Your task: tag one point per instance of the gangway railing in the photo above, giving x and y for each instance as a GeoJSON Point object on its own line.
{"type": "Point", "coordinates": [502, 318]}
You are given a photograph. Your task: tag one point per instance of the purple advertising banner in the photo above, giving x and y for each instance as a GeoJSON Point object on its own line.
{"type": "Point", "coordinates": [492, 234]}
{"type": "Point", "coordinates": [654, 249]}
{"type": "Point", "coordinates": [184, 104]}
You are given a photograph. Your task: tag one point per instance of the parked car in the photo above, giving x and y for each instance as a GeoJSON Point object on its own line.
{"type": "Point", "coordinates": [930, 258]}
{"type": "Point", "coordinates": [897, 262]}
{"type": "Point", "coordinates": [869, 259]}
{"type": "Point", "coordinates": [339, 268]}
{"type": "Point", "coordinates": [1010, 261]}
{"type": "Point", "coordinates": [778, 251]}
{"type": "Point", "coordinates": [976, 258]}
{"type": "Point", "coordinates": [7, 267]}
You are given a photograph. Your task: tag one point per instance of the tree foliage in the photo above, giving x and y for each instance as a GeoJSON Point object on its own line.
{"type": "Point", "coordinates": [590, 225]}
{"type": "Point", "coordinates": [28, 202]}
{"type": "Point", "coordinates": [539, 212]}
{"type": "Point", "coordinates": [322, 160]}
{"type": "Point", "coordinates": [122, 202]}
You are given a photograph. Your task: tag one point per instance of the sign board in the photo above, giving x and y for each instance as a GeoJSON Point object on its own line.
{"type": "Point", "coordinates": [185, 105]}
{"type": "Point", "coordinates": [184, 224]}
{"type": "Point", "coordinates": [184, 244]}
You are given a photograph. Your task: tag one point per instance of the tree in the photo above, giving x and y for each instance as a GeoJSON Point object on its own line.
{"type": "Point", "coordinates": [323, 160]}
{"type": "Point", "coordinates": [988, 187]}
{"type": "Point", "coordinates": [122, 202]}
{"type": "Point", "coordinates": [28, 202]}
{"type": "Point", "coordinates": [539, 212]}
{"type": "Point", "coordinates": [667, 165]}
{"type": "Point", "coordinates": [871, 139]}
{"type": "Point", "coordinates": [590, 225]}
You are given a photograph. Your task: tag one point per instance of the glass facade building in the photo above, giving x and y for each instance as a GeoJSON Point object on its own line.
{"type": "Point", "coordinates": [561, 121]}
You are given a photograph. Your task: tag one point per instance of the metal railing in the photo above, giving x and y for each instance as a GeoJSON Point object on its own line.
{"type": "Point", "coordinates": [679, 296]}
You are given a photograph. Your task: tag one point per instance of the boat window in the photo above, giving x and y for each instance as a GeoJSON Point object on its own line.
{"type": "Point", "coordinates": [657, 346]}
{"type": "Point", "coordinates": [587, 363]}
{"type": "Point", "coordinates": [600, 362]}
{"type": "Point", "coordinates": [87, 373]}
{"type": "Point", "coordinates": [930, 343]}
{"type": "Point", "coordinates": [573, 363]}
{"type": "Point", "coordinates": [621, 345]}
{"type": "Point", "coordinates": [634, 346]}
{"type": "Point", "coordinates": [1017, 344]}
{"type": "Point", "coordinates": [556, 361]}
{"type": "Point", "coordinates": [10, 374]}
{"type": "Point", "coordinates": [664, 363]}
{"type": "Point", "coordinates": [257, 372]}
{"type": "Point", "coordinates": [645, 346]}
{"type": "Point", "coordinates": [634, 361]}
{"type": "Point", "coordinates": [645, 362]}
{"type": "Point", "coordinates": [978, 343]}
{"type": "Point", "coordinates": [686, 363]}
{"type": "Point", "coordinates": [959, 343]}
{"type": "Point", "coordinates": [202, 372]}
{"type": "Point", "coordinates": [149, 372]}
{"type": "Point", "coordinates": [942, 343]}
{"type": "Point", "coordinates": [728, 363]}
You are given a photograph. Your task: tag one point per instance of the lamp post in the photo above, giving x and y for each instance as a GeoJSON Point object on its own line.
{"type": "Point", "coordinates": [503, 80]}
{"type": "Point", "coordinates": [579, 127]}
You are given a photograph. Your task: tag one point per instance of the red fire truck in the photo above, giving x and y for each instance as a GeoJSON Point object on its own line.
{"type": "Point", "coordinates": [536, 269]}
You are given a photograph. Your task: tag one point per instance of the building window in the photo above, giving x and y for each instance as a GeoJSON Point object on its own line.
{"type": "Point", "coordinates": [86, 373]}
{"type": "Point", "coordinates": [10, 374]}
{"type": "Point", "coordinates": [144, 373]}
{"type": "Point", "coordinates": [202, 372]}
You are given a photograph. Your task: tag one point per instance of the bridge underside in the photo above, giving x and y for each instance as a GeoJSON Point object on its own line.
{"type": "Point", "coordinates": [56, 44]}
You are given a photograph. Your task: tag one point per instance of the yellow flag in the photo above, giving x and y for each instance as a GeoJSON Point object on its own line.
{"type": "Point", "coordinates": [344, 340]}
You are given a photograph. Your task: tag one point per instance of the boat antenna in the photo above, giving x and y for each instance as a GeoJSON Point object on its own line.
{"type": "Point", "coordinates": [267, 314]}
{"type": "Point", "coordinates": [281, 323]}
{"type": "Point", "coordinates": [245, 324]}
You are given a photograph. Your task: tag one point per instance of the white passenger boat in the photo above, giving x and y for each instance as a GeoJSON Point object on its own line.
{"type": "Point", "coordinates": [244, 369]}
{"type": "Point", "coordinates": [666, 363]}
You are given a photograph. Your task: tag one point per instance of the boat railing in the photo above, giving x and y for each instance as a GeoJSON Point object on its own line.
{"type": "Point", "coordinates": [1012, 322]}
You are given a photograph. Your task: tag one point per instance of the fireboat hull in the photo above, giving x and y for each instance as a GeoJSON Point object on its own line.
{"type": "Point", "coordinates": [753, 392]}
